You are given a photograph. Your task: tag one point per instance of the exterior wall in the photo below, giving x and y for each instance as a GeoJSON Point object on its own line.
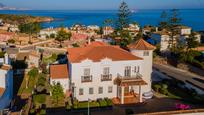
{"type": "Point", "coordinates": [63, 82]}
{"type": "Point", "coordinates": [96, 69]}
{"type": "Point", "coordinates": [186, 31]}
{"type": "Point", "coordinates": [2, 78]}
{"type": "Point", "coordinates": [162, 40]}
{"type": "Point", "coordinates": [33, 61]}
{"type": "Point", "coordinates": [147, 69]}
{"type": "Point", "coordinates": [6, 98]}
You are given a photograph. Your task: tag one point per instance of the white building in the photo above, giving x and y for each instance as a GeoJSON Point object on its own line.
{"type": "Point", "coordinates": [99, 71]}
{"type": "Point", "coordinates": [107, 30]}
{"type": "Point", "coordinates": [6, 82]}
{"type": "Point", "coordinates": [93, 27]}
{"type": "Point", "coordinates": [47, 32]}
{"type": "Point", "coordinates": [59, 74]}
{"type": "Point", "coordinates": [162, 38]}
{"type": "Point", "coordinates": [184, 30]}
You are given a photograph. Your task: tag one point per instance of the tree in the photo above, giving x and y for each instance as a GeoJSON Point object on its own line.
{"type": "Point", "coordinates": [57, 92]}
{"type": "Point", "coordinates": [32, 74]}
{"type": "Point", "coordinates": [123, 16]}
{"type": "Point", "coordinates": [174, 21]}
{"type": "Point", "coordinates": [62, 35]}
{"type": "Point", "coordinates": [30, 28]}
{"type": "Point", "coordinates": [108, 22]}
{"type": "Point", "coordinates": [163, 24]}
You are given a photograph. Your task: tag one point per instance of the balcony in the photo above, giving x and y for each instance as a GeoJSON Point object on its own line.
{"type": "Point", "coordinates": [129, 80]}
{"type": "Point", "coordinates": [86, 78]}
{"type": "Point", "coordinates": [106, 77]}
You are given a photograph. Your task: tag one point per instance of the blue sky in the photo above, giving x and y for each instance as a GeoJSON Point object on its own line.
{"type": "Point", "coordinates": [102, 4]}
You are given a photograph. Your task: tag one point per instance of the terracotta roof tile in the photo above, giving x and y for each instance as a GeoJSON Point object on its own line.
{"type": "Point", "coordinates": [96, 53]}
{"type": "Point", "coordinates": [2, 91]}
{"type": "Point", "coordinates": [201, 48]}
{"type": "Point", "coordinates": [59, 71]}
{"type": "Point", "coordinates": [141, 45]}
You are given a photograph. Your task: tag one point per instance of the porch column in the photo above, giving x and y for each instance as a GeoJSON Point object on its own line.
{"type": "Point", "coordinates": [122, 95]}
{"type": "Point", "coordinates": [140, 93]}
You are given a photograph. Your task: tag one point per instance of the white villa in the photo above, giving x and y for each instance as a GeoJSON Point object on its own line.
{"type": "Point", "coordinates": [47, 32]}
{"type": "Point", "coordinates": [104, 71]}
{"type": "Point", "coordinates": [6, 82]}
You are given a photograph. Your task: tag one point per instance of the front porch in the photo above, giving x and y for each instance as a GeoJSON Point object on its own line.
{"type": "Point", "coordinates": [129, 90]}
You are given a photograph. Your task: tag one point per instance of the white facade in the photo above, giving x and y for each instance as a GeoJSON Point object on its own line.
{"type": "Point", "coordinates": [63, 82]}
{"type": "Point", "coordinates": [96, 70]}
{"type": "Point", "coordinates": [162, 40]}
{"type": "Point", "coordinates": [47, 32]}
{"type": "Point", "coordinates": [185, 31]}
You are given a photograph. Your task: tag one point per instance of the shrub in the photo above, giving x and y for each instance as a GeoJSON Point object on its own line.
{"type": "Point", "coordinates": [75, 103]}
{"type": "Point", "coordinates": [41, 98]}
{"type": "Point", "coordinates": [12, 41]}
{"type": "Point", "coordinates": [102, 103]}
{"type": "Point", "coordinates": [156, 87]}
{"type": "Point", "coordinates": [42, 112]}
{"type": "Point", "coordinates": [109, 102]}
{"type": "Point", "coordinates": [165, 86]}
{"type": "Point", "coordinates": [164, 91]}
{"type": "Point", "coordinates": [68, 107]}
{"type": "Point", "coordinates": [32, 111]}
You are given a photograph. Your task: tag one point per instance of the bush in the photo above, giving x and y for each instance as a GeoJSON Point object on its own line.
{"type": "Point", "coordinates": [164, 91]}
{"type": "Point", "coordinates": [68, 107]}
{"type": "Point", "coordinates": [102, 103]}
{"type": "Point", "coordinates": [75, 103]}
{"type": "Point", "coordinates": [156, 87]}
{"type": "Point", "coordinates": [32, 111]}
{"type": "Point", "coordinates": [85, 104]}
{"type": "Point", "coordinates": [165, 86]}
{"type": "Point", "coordinates": [109, 102]}
{"type": "Point", "coordinates": [1, 54]}
{"type": "Point", "coordinates": [41, 98]}
{"type": "Point", "coordinates": [12, 41]}
{"type": "Point", "coordinates": [42, 112]}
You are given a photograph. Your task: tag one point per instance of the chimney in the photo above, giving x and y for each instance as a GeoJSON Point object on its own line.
{"type": "Point", "coordinates": [6, 59]}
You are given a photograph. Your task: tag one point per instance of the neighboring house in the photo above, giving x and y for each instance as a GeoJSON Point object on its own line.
{"type": "Point", "coordinates": [32, 58]}
{"type": "Point", "coordinates": [6, 82]}
{"type": "Point", "coordinates": [47, 32]}
{"type": "Point", "coordinates": [107, 30]}
{"type": "Point", "coordinates": [184, 30]}
{"type": "Point", "coordinates": [161, 38]}
{"type": "Point", "coordinates": [99, 71]}
{"type": "Point", "coordinates": [133, 29]}
{"type": "Point", "coordinates": [13, 28]}
{"type": "Point", "coordinates": [93, 27]}
{"type": "Point", "coordinates": [60, 74]}
{"type": "Point", "coordinates": [5, 36]}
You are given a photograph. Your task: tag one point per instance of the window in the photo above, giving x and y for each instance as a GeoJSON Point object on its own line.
{"type": "Point", "coordinates": [87, 72]}
{"type": "Point", "coordinates": [106, 71]}
{"type": "Point", "coordinates": [110, 89]}
{"type": "Point", "coordinates": [127, 71]}
{"type": "Point", "coordinates": [135, 69]}
{"type": "Point", "coordinates": [91, 90]}
{"type": "Point", "coordinates": [146, 53]}
{"type": "Point", "coordinates": [100, 90]}
{"type": "Point", "coordinates": [81, 91]}
{"type": "Point", "coordinates": [138, 69]}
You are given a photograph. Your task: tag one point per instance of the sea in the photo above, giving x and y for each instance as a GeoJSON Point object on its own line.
{"type": "Point", "coordinates": [190, 17]}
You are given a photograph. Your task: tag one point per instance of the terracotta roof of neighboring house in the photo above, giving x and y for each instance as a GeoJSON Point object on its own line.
{"type": "Point", "coordinates": [201, 48]}
{"type": "Point", "coordinates": [59, 71]}
{"type": "Point", "coordinates": [77, 36]}
{"type": "Point", "coordinates": [108, 28]}
{"type": "Point", "coordinates": [2, 91]}
{"type": "Point", "coordinates": [96, 53]}
{"type": "Point", "coordinates": [7, 33]}
{"type": "Point", "coordinates": [96, 43]}
{"type": "Point", "coordinates": [5, 67]}
{"type": "Point", "coordinates": [141, 45]}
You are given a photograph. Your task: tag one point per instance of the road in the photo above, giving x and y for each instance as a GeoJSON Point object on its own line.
{"type": "Point", "coordinates": [179, 74]}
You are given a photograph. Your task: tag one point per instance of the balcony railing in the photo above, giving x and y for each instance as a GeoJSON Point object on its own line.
{"type": "Point", "coordinates": [133, 77]}
{"type": "Point", "coordinates": [86, 78]}
{"type": "Point", "coordinates": [106, 77]}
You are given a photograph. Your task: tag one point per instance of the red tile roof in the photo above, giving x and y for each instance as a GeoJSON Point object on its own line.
{"type": "Point", "coordinates": [141, 45]}
{"type": "Point", "coordinates": [97, 52]}
{"type": "Point", "coordinates": [59, 71]}
{"type": "Point", "coordinates": [2, 91]}
{"type": "Point", "coordinates": [201, 48]}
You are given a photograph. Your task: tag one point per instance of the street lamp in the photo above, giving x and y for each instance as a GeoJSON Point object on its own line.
{"type": "Point", "coordinates": [88, 107]}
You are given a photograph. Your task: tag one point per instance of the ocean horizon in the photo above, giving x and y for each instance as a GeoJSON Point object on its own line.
{"type": "Point", "coordinates": [190, 17]}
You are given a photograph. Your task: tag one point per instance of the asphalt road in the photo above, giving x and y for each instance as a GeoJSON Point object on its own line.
{"type": "Point", "coordinates": [179, 74]}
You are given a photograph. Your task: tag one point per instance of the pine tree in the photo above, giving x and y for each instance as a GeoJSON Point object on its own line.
{"type": "Point", "coordinates": [123, 16]}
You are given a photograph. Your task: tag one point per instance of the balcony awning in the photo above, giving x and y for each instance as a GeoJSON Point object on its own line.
{"type": "Point", "coordinates": [129, 82]}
